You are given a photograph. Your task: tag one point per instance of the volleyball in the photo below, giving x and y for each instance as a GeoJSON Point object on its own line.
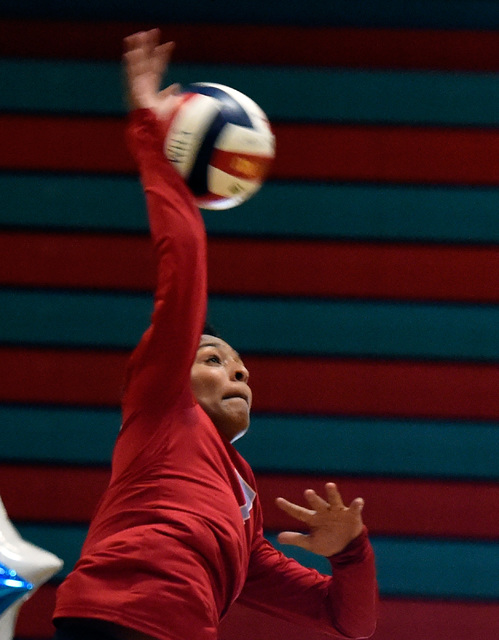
{"type": "Point", "coordinates": [221, 143]}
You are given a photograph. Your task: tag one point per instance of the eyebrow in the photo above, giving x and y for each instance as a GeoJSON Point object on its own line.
{"type": "Point", "coordinates": [217, 345]}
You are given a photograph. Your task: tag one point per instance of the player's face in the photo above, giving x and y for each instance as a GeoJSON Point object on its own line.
{"type": "Point", "coordinates": [219, 382]}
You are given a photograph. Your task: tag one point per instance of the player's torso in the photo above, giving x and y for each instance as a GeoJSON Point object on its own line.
{"type": "Point", "coordinates": [189, 483]}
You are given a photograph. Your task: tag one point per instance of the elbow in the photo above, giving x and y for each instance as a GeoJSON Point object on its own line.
{"type": "Point", "coordinates": [366, 632]}
{"type": "Point", "coordinates": [357, 623]}
{"type": "Point", "coordinates": [358, 632]}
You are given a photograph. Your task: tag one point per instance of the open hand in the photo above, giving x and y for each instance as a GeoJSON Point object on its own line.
{"type": "Point", "coordinates": [332, 525]}
{"type": "Point", "coordinates": [146, 61]}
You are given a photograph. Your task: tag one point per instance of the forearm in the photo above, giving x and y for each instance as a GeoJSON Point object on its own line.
{"type": "Point", "coordinates": [353, 594]}
{"type": "Point", "coordinates": [342, 606]}
{"type": "Point", "coordinates": [173, 215]}
{"type": "Point", "coordinates": [179, 240]}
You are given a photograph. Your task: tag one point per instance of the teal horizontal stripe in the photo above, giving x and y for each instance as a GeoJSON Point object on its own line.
{"type": "Point", "coordinates": [372, 447]}
{"type": "Point", "coordinates": [41, 201]}
{"type": "Point", "coordinates": [412, 448]}
{"type": "Point", "coordinates": [72, 202]}
{"type": "Point", "coordinates": [333, 95]}
{"type": "Point", "coordinates": [374, 329]}
{"type": "Point", "coordinates": [405, 567]}
{"type": "Point", "coordinates": [65, 541]}
{"type": "Point", "coordinates": [65, 319]}
{"type": "Point", "coordinates": [473, 14]}
{"type": "Point", "coordinates": [426, 568]}
{"type": "Point", "coordinates": [262, 325]}
{"type": "Point", "coordinates": [58, 435]}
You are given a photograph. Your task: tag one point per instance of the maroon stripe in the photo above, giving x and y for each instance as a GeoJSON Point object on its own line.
{"type": "Point", "coordinates": [54, 494]}
{"type": "Point", "coordinates": [396, 507]}
{"type": "Point", "coordinates": [284, 385]}
{"type": "Point", "coordinates": [418, 620]}
{"type": "Point", "coordinates": [311, 151]}
{"type": "Point", "coordinates": [407, 619]}
{"type": "Point", "coordinates": [397, 620]}
{"type": "Point", "coordinates": [375, 388]}
{"type": "Point", "coordinates": [67, 144]}
{"type": "Point", "coordinates": [76, 260]}
{"type": "Point", "coordinates": [393, 506]}
{"type": "Point", "coordinates": [354, 270]}
{"type": "Point", "coordinates": [390, 271]}
{"type": "Point", "coordinates": [387, 153]}
{"type": "Point", "coordinates": [67, 377]}
{"type": "Point", "coordinates": [345, 47]}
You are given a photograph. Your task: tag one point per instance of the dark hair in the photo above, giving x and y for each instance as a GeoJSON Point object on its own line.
{"type": "Point", "coordinates": [209, 330]}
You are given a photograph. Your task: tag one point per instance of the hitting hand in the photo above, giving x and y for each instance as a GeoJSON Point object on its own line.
{"type": "Point", "coordinates": [332, 525]}
{"type": "Point", "coordinates": [146, 61]}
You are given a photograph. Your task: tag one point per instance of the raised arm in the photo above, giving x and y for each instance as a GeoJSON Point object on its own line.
{"type": "Point", "coordinates": [160, 366]}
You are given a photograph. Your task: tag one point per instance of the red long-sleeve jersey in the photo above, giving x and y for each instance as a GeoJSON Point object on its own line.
{"type": "Point", "coordinates": [178, 534]}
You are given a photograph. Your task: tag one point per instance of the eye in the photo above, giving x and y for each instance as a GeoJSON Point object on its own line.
{"type": "Point", "coordinates": [214, 359]}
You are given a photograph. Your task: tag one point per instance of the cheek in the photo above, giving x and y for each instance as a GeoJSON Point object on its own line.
{"type": "Point", "coordinates": [203, 382]}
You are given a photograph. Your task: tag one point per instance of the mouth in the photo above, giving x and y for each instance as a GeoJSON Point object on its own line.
{"type": "Point", "coordinates": [240, 396]}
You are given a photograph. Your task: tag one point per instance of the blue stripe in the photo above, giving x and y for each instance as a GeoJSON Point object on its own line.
{"type": "Point", "coordinates": [364, 329]}
{"type": "Point", "coordinates": [425, 568]}
{"type": "Point", "coordinates": [233, 112]}
{"type": "Point", "coordinates": [335, 446]}
{"type": "Point", "coordinates": [58, 434]}
{"type": "Point", "coordinates": [285, 210]}
{"type": "Point", "coordinates": [472, 14]}
{"type": "Point", "coordinates": [198, 178]}
{"type": "Point", "coordinates": [72, 202]}
{"type": "Point", "coordinates": [265, 325]}
{"type": "Point", "coordinates": [333, 95]}
{"type": "Point", "coordinates": [65, 541]}
{"type": "Point", "coordinates": [405, 567]}
{"type": "Point", "coordinates": [372, 447]}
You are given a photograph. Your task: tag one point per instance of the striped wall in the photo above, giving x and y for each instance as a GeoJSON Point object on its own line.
{"type": "Point", "coordinates": [361, 284]}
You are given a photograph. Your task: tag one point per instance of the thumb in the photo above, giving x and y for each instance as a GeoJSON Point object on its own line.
{"type": "Point", "coordinates": [172, 90]}
{"type": "Point", "coordinates": [294, 538]}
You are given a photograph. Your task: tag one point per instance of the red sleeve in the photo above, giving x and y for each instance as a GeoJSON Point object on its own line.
{"type": "Point", "coordinates": [159, 369]}
{"type": "Point", "coordinates": [342, 606]}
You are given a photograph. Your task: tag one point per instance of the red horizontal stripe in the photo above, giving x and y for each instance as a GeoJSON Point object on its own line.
{"type": "Point", "coordinates": [407, 619]}
{"type": "Point", "coordinates": [283, 385]}
{"type": "Point", "coordinates": [304, 151]}
{"type": "Point", "coordinates": [76, 260]}
{"type": "Point", "coordinates": [393, 506]}
{"type": "Point", "coordinates": [308, 268]}
{"type": "Point", "coordinates": [426, 620]}
{"type": "Point", "coordinates": [54, 494]}
{"type": "Point", "coordinates": [398, 620]}
{"type": "Point", "coordinates": [387, 153]}
{"type": "Point", "coordinates": [67, 377]}
{"type": "Point", "coordinates": [35, 617]}
{"type": "Point", "coordinates": [354, 270]}
{"type": "Point", "coordinates": [375, 388]}
{"type": "Point", "coordinates": [65, 144]}
{"type": "Point", "coordinates": [283, 45]}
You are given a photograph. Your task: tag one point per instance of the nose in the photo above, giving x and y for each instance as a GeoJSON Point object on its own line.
{"type": "Point", "coordinates": [239, 372]}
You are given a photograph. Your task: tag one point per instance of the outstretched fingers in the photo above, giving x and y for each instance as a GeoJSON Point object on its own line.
{"type": "Point", "coordinates": [161, 56]}
{"type": "Point", "coordinates": [356, 506]}
{"type": "Point", "coordinates": [294, 510]}
{"type": "Point", "coordinates": [315, 501]}
{"type": "Point", "coordinates": [146, 61]}
{"type": "Point", "coordinates": [333, 496]}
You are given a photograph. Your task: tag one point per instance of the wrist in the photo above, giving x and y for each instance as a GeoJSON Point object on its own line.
{"type": "Point", "coordinates": [354, 550]}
